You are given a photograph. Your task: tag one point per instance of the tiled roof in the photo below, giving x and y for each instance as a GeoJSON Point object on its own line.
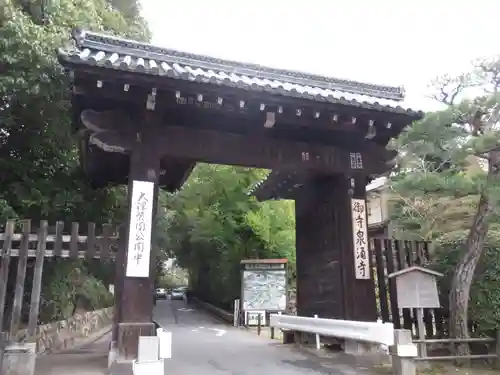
{"type": "Point", "coordinates": [132, 56]}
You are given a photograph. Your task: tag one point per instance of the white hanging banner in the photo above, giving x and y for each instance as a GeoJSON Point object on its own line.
{"type": "Point", "coordinates": [139, 236]}
{"type": "Point", "coordinates": [360, 239]}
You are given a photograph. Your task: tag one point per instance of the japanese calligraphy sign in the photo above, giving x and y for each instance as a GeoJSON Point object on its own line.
{"type": "Point", "coordinates": [139, 237]}
{"type": "Point", "coordinates": [360, 239]}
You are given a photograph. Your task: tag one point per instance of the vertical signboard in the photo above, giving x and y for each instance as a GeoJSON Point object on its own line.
{"type": "Point", "coordinates": [140, 226]}
{"type": "Point", "coordinates": [360, 239]}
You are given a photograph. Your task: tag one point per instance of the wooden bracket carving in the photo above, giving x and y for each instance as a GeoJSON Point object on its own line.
{"type": "Point", "coordinates": [110, 141]}
{"type": "Point", "coordinates": [111, 130]}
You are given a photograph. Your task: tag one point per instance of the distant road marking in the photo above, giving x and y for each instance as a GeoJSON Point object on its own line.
{"type": "Point", "coordinates": [185, 309]}
{"type": "Point", "coordinates": [218, 332]}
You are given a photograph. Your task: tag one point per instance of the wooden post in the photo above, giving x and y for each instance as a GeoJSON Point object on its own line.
{"type": "Point", "coordinates": [259, 323]}
{"type": "Point", "coordinates": [119, 279]}
{"type": "Point", "coordinates": [37, 278]}
{"type": "Point", "coordinates": [421, 332]}
{"type": "Point", "coordinates": [3, 343]}
{"type": "Point", "coordinates": [58, 239]}
{"type": "Point", "coordinates": [20, 278]}
{"type": "Point", "coordinates": [107, 232]}
{"type": "Point", "coordinates": [324, 225]}
{"type": "Point", "coordinates": [90, 241]}
{"type": "Point", "coordinates": [236, 312]}
{"type": "Point", "coordinates": [136, 304]}
{"type": "Point", "coordinates": [73, 246]}
{"type": "Point", "coordinates": [4, 269]}
{"type": "Point", "coordinates": [497, 349]}
{"type": "Point", "coordinates": [360, 302]}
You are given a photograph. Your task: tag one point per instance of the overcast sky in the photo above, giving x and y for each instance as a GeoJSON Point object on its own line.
{"type": "Point", "coordinates": [384, 41]}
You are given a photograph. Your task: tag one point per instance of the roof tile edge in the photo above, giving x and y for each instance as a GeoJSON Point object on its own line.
{"type": "Point", "coordinates": [109, 43]}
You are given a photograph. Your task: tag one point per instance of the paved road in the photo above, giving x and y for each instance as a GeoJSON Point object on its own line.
{"type": "Point", "coordinates": [202, 345]}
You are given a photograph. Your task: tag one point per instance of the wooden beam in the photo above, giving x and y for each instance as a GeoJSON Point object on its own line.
{"type": "Point", "coordinates": [304, 118]}
{"type": "Point", "coordinates": [281, 184]}
{"type": "Point", "coordinates": [90, 75]}
{"type": "Point", "coordinates": [262, 149]}
{"type": "Point", "coordinates": [259, 151]}
{"type": "Point", "coordinates": [114, 129]}
{"type": "Point", "coordinates": [121, 87]}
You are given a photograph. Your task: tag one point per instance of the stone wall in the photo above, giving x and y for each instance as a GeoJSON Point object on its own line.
{"type": "Point", "coordinates": [63, 334]}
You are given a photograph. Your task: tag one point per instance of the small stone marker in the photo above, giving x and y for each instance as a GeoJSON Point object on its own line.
{"type": "Point", "coordinates": [403, 352]}
{"type": "Point", "coordinates": [417, 289]}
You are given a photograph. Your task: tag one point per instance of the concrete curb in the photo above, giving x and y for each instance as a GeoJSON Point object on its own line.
{"type": "Point", "coordinates": [333, 356]}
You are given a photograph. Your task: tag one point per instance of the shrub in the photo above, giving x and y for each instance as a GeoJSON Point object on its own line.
{"type": "Point", "coordinates": [484, 305]}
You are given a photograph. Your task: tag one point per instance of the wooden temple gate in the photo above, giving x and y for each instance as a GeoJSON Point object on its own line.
{"type": "Point", "coordinates": [148, 114]}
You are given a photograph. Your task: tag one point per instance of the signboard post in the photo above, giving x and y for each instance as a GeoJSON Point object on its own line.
{"type": "Point", "coordinates": [264, 288]}
{"type": "Point", "coordinates": [416, 288]}
{"type": "Point", "coordinates": [236, 312]}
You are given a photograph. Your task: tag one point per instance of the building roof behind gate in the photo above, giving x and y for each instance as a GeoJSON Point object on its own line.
{"type": "Point", "coordinates": [105, 51]}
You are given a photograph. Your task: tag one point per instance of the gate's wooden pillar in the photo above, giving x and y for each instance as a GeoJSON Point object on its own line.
{"type": "Point", "coordinates": [119, 278]}
{"type": "Point", "coordinates": [326, 283]}
{"type": "Point", "coordinates": [136, 300]}
{"type": "Point", "coordinates": [361, 304]}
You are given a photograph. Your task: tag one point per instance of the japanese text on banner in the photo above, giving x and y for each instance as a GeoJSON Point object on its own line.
{"type": "Point", "coordinates": [360, 239]}
{"type": "Point", "coordinates": [139, 244]}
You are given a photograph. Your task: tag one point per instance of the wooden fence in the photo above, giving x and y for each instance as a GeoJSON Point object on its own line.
{"type": "Point", "coordinates": [389, 256]}
{"type": "Point", "coordinates": [42, 245]}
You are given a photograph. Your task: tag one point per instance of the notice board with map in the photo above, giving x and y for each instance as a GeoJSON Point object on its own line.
{"type": "Point", "coordinates": [264, 284]}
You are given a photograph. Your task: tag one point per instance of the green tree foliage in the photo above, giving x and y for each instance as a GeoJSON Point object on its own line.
{"type": "Point", "coordinates": [446, 188]}
{"type": "Point", "coordinates": [130, 9]}
{"type": "Point", "coordinates": [213, 224]}
{"type": "Point", "coordinates": [485, 290]}
{"type": "Point", "coordinates": [173, 278]}
{"type": "Point", "coordinates": [71, 286]}
{"type": "Point", "coordinates": [40, 174]}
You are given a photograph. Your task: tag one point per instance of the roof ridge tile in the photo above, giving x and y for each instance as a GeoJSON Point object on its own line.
{"type": "Point", "coordinates": [113, 44]}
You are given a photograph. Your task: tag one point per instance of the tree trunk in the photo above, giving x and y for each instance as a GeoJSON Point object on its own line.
{"type": "Point", "coordinates": [464, 272]}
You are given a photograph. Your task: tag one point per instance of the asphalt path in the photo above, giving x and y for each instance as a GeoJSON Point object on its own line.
{"type": "Point", "coordinates": [201, 345]}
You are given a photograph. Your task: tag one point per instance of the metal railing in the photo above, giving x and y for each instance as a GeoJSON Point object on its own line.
{"type": "Point", "coordinates": [377, 333]}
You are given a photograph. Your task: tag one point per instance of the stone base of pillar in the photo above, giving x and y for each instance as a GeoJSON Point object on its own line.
{"type": "Point", "coordinates": [19, 359]}
{"type": "Point", "coordinates": [128, 339]}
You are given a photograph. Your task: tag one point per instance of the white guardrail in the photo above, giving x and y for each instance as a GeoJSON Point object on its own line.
{"type": "Point", "coordinates": [379, 333]}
